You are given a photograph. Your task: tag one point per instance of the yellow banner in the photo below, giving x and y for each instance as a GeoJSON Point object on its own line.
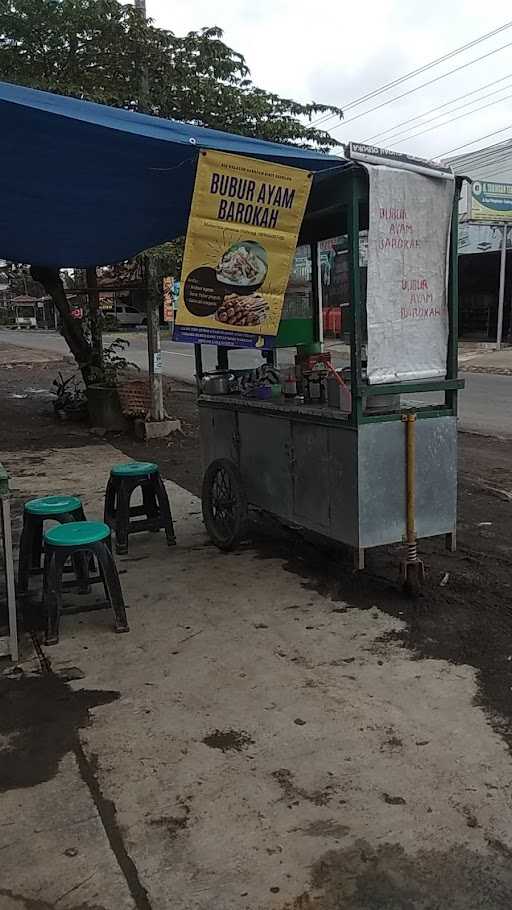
{"type": "Point", "coordinates": [244, 224]}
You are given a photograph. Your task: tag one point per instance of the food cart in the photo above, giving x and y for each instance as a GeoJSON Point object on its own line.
{"type": "Point", "coordinates": [356, 458]}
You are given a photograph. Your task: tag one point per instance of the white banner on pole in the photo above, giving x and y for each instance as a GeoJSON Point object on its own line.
{"type": "Point", "coordinates": [406, 298]}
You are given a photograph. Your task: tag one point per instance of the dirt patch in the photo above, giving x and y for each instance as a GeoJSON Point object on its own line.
{"type": "Point", "coordinates": [327, 827]}
{"type": "Point", "coordinates": [173, 824]}
{"type": "Point", "coordinates": [41, 716]}
{"type": "Point", "coordinates": [228, 740]}
{"type": "Point", "coordinates": [393, 800]}
{"type": "Point", "coordinates": [364, 878]}
{"type": "Point", "coordinates": [28, 422]}
{"type": "Point", "coordinates": [28, 903]}
{"type": "Point", "coordinates": [292, 793]}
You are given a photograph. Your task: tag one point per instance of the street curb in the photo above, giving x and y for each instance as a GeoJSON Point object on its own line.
{"type": "Point", "coordinates": [494, 371]}
{"type": "Point", "coordinates": [36, 363]}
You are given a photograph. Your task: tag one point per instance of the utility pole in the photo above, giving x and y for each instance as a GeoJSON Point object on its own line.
{"type": "Point", "coordinates": [501, 291]}
{"type": "Point", "coordinates": [159, 424]}
{"type": "Point", "coordinates": [154, 350]}
{"type": "Point", "coordinates": [143, 106]}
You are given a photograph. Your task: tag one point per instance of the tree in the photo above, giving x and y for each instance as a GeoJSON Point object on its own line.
{"type": "Point", "coordinates": [21, 282]}
{"type": "Point", "coordinates": [98, 49]}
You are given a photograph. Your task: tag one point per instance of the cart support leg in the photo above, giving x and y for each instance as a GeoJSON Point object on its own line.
{"type": "Point", "coordinates": [451, 541]}
{"type": "Point", "coordinates": [413, 570]}
{"type": "Point", "coordinates": [358, 559]}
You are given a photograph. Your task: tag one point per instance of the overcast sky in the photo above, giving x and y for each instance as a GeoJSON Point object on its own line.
{"type": "Point", "coordinates": [334, 52]}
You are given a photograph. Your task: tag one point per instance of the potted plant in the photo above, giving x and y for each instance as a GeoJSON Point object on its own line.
{"type": "Point", "coordinates": [102, 394]}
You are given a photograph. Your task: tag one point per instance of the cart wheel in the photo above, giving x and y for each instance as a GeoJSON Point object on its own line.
{"type": "Point", "coordinates": [224, 504]}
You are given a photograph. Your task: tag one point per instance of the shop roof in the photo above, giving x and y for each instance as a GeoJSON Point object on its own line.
{"type": "Point", "coordinates": [86, 184]}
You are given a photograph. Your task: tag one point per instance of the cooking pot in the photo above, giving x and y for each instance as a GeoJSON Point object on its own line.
{"type": "Point", "coordinates": [218, 383]}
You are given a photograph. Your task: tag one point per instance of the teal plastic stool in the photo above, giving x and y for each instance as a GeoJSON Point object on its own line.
{"type": "Point", "coordinates": [61, 508]}
{"type": "Point", "coordinates": [53, 505]}
{"type": "Point", "coordinates": [89, 540]}
{"type": "Point", "coordinates": [152, 515]}
{"type": "Point", "coordinates": [134, 469]}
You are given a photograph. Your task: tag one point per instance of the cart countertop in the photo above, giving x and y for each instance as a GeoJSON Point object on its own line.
{"type": "Point", "coordinates": [278, 407]}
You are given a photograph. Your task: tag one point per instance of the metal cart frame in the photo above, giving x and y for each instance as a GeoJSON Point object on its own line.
{"type": "Point", "coordinates": [353, 478]}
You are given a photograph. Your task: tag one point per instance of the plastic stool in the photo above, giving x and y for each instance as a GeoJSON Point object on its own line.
{"type": "Point", "coordinates": [35, 513]}
{"type": "Point", "coordinates": [91, 538]}
{"type": "Point", "coordinates": [152, 515]}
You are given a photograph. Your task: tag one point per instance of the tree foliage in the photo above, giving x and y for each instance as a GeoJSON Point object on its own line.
{"type": "Point", "coordinates": [104, 51]}
{"type": "Point", "coordinates": [98, 49]}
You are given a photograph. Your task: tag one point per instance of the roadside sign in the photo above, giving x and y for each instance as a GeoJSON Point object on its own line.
{"type": "Point", "coordinates": [487, 200]}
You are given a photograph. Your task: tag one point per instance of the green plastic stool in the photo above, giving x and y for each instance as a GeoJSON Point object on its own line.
{"type": "Point", "coordinates": [53, 505]}
{"type": "Point", "coordinates": [89, 540]}
{"type": "Point", "coordinates": [77, 534]}
{"type": "Point", "coordinates": [152, 515]}
{"type": "Point", "coordinates": [61, 508]}
{"type": "Point", "coordinates": [134, 469]}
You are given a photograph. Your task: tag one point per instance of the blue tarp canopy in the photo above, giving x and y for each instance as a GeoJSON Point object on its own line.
{"type": "Point", "coordinates": [85, 184]}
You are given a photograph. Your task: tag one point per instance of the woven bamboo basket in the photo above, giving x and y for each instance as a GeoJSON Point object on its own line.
{"type": "Point", "coordinates": [135, 397]}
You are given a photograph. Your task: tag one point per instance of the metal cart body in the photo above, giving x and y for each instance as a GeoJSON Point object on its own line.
{"type": "Point", "coordinates": [309, 469]}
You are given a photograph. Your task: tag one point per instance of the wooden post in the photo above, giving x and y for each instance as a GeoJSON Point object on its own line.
{"type": "Point", "coordinates": [154, 348]}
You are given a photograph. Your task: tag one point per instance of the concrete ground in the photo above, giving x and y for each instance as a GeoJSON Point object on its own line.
{"type": "Point", "coordinates": [251, 744]}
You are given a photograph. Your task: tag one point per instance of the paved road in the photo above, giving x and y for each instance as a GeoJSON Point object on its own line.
{"type": "Point", "coordinates": [177, 359]}
{"type": "Point", "coordinates": [485, 404]}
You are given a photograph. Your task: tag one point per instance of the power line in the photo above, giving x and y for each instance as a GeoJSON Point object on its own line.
{"type": "Point", "coordinates": [494, 133]}
{"type": "Point", "coordinates": [404, 134]}
{"type": "Point", "coordinates": [482, 107]}
{"type": "Point", "coordinates": [438, 107]}
{"type": "Point", "coordinates": [423, 85]}
{"type": "Point", "coordinates": [422, 69]}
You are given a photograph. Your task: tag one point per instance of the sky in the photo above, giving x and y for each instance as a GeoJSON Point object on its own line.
{"type": "Point", "coordinates": [334, 53]}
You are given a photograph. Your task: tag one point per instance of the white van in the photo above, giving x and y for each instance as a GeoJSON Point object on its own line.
{"type": "Point", "coordinates": [128, 315]}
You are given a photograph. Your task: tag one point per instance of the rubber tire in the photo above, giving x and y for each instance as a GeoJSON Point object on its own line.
{"type": "Point", "coordinates": [220, 539]}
